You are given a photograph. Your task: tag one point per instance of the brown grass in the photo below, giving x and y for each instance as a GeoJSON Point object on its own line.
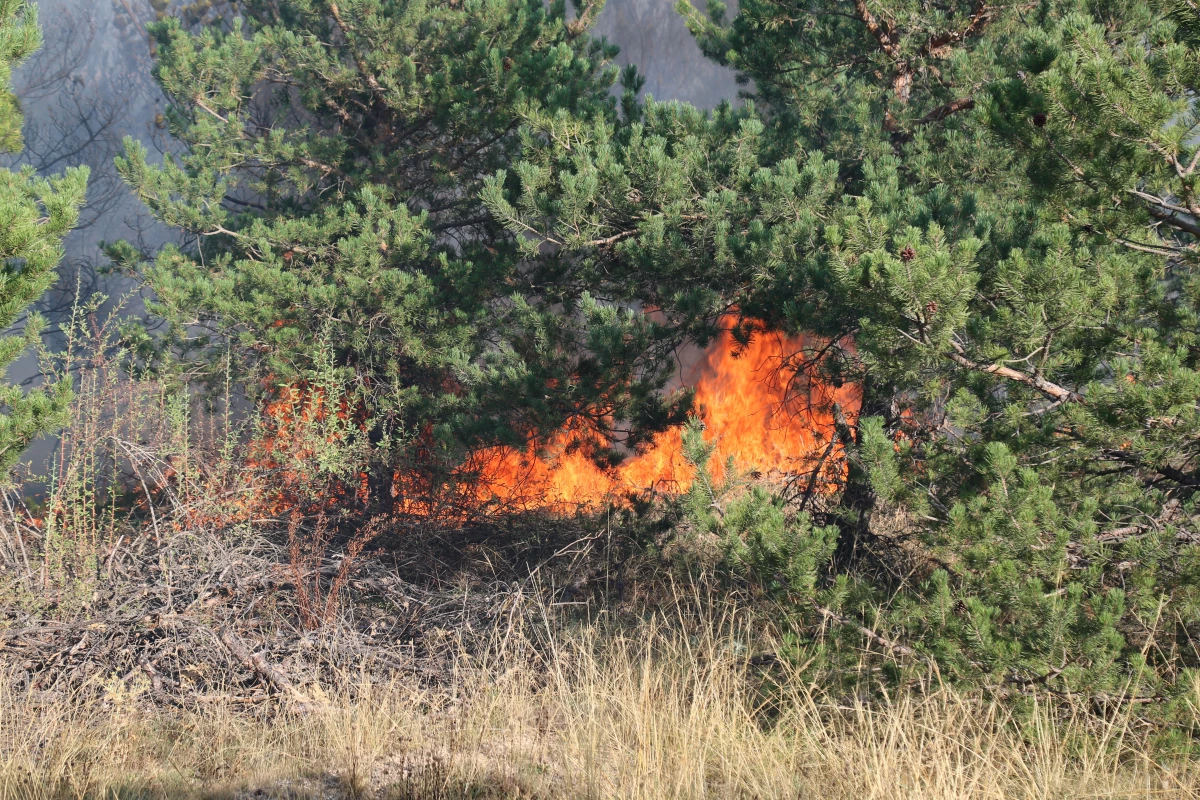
{"type": "Point", "coordinates": [650, 713]}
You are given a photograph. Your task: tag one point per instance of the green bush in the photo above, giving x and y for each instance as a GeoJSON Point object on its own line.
{"type": "Point", "coordinates": [35, 214]}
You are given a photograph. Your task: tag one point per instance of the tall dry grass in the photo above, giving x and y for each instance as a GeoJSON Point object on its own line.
{"type": "Point", "coordinates": [648, 713]}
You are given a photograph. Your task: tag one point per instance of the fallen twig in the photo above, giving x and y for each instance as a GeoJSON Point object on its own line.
{"type": "Point", "coordinates": [256, 662]}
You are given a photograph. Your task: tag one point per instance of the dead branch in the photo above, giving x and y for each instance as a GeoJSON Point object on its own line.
{"type": "Point", "coordinates": [258, 664]}
{"type": "Point", "coordinates": [1048, 388]}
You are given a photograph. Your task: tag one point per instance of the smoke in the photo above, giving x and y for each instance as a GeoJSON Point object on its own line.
{"type": "Point", "coordinates": [88, 87]}
{"type": "Point", "coordinates": [655, 38]}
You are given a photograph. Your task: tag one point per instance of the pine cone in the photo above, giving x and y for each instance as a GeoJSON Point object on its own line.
{"type": "Point", "coordinates": [908, 254]}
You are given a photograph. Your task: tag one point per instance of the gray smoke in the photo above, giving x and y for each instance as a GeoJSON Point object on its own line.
{"type": "Point", "coordinates": [652, 36]}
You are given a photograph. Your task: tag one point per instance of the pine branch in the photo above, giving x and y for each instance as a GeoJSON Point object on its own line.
{"type": "Point", "coordinates": [938, 46]}
{"type": "Point", "coordinates": [947, 110]}
{"type": "Point", "coordinates": [367, 77]}
{"type": "Point", "coordinates": [881, 32]}
{"type": "Point", "coordinates": [579, 26]}
{"type": "Point", "coordinates": [870, 635]}
{"type": "Point", "coordinates": [611, 240]}
{"type": "Point", "coordinates": [1125, 534]}
{"type": "Point", "coordinates": [1175, 474]}
{"type": "Point", "coordinates": [1175, 216]}
{"type": "Point", "coordinates": [1048, 388]}
{"type": "Point", "coordinates": [816, 473]}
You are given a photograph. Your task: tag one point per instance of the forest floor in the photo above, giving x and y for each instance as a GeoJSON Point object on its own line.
{"type": "Point", "coordinates": [535, 659]}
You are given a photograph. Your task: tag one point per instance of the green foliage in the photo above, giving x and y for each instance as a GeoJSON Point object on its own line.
{"type": "Point", "coordinates": [35, 214]}
{"type": "Point", "coordinates": [761, 542]}
{"type": "Point", "coordinates": [328, 181]}
{"type": "Point", "coordinates": [981, 215]}
{"type": "Point", "coordinates": [20, 36]}
{"type": "Point", "coordinates": [673, 207]}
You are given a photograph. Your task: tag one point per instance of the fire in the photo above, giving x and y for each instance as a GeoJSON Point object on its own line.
{"type": "Point", "coordinates": [748, 409]}
{"type": "Point", "coordinates": [770, 421]}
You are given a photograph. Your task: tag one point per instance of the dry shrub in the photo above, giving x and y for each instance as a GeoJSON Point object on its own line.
{"type": "Point", "coordinates": [134, 466]}
{"type": "Point", "coordinates": [648, 713]}
{"type": "Point", "coordinates": [307, 552]}
{"type": "Point", "coordinates": [145, 466]}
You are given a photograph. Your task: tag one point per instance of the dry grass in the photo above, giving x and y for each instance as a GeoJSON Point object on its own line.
{"type": "Point", "coordinates": [651, 713]}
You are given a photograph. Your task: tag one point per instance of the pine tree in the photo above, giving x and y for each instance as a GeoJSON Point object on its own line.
{"type": "Point", "coordinates": [327, 177]}
{"type": "Point", "coordinates": [35, 214]}
{"type": "Point", "coordinates": [982, 212]}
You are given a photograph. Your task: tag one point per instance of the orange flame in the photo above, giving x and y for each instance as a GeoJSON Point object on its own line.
{"type": "Point", "coordinates": [769, 420]}
{"type": "Point", "coordinates": [748, 409]}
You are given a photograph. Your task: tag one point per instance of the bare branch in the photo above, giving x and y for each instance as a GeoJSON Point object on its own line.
{"type": "Point", "coordinates": [949, 109]}
{"type": "Point", "coordinates": [1049, 389]}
